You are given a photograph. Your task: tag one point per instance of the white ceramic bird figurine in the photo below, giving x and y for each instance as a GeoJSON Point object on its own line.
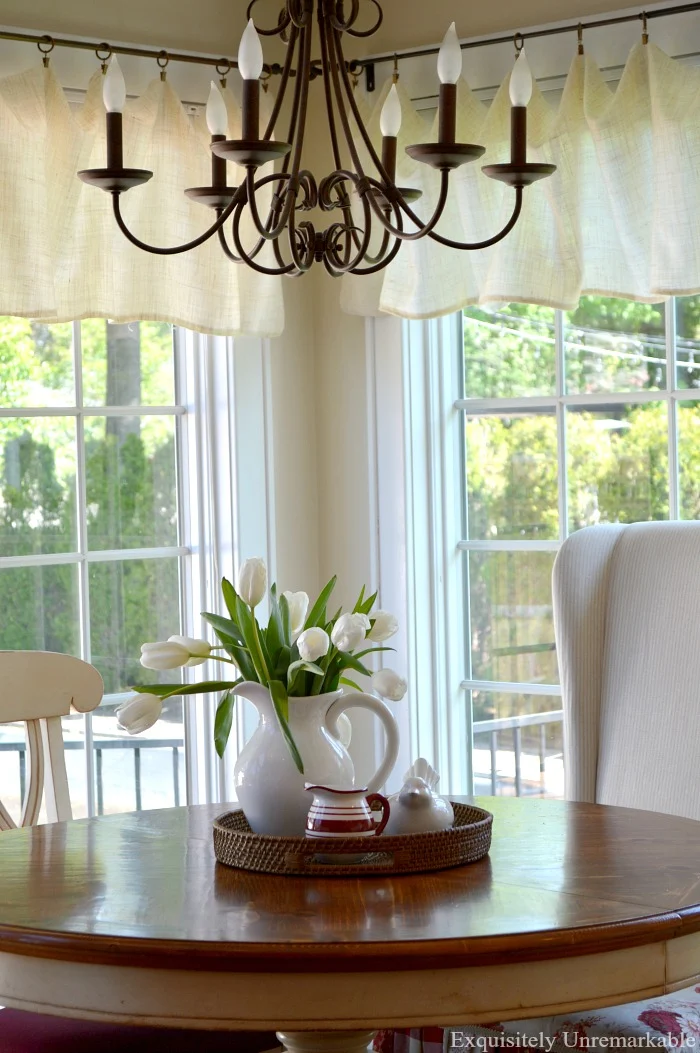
{"type": "Point", "coordinates": [417, 808]}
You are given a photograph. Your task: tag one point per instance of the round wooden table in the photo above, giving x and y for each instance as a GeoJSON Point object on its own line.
{"type": "Point", "coordinates": [128, 918]}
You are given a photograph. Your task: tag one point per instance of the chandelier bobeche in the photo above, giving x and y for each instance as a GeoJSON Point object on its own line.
{"type": "Point", "coordinates": [359, 241]}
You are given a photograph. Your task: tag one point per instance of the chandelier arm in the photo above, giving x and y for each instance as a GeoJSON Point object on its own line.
{"type": "Point", "coordinates": [161, 251]}
{"type": "Point", "coordinates": [344, 24]}
{"type": "Point", "coordinates": [488, 241]}
{"type": "Point", "coordinates": [267, 232]}
{"type": "Point", "coordinates": [346, 265]}
{"type": "Point", "coordinates": [248, 259]}
{"type": "Point", "coordinates": [301, 14]}
{"type": "Point", "coordinates": [423, 228]}
{"type": "Point", "coordinates": [283, 86]}
{"type": "Point", "coordinates": [340, 65]}
{"type": "Point", "coordinates": [304, 74]}
{"type": "Point", "coordinates": [228, 252]}
{"type": "Point", "coordinates": [375, 268]}
{"type": "Point", "coordinates": [368, 32]}
{"type": "Point", "coordinates": [328, 91]}
{"type": "Point", "coordinates": [302, 265]}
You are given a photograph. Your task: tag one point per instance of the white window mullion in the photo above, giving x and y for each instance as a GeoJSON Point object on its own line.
{"type": "Point", "coordinates": [672, 409]}
{"type": "Point", "coordinates": [83, 569]}
{"type": "Point", "coordinates": [562, 476]}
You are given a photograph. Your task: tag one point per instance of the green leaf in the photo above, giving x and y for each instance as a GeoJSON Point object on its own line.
{"type": "Point", "coordinates": [169, 690]}
{"type": "Point", "coordinates": [282, 664]}
{"type": "Point", "coordinates": [317, 615]}
{"type": "Point", "coordinates": [286, 621]}
{"type": "Point", "coordinates": [372, 650]}
{"type": "Point", "coordinates": [358, 606]}
{"type": "Point", "coordinates": [281, 704]}
{"type": "Point", "coordinates": [350, 683]}
{"type": "Point", "coordinates": [248, 628]}
{"type": "Point", "coordinates": [223, 722]}
{"type": "Point", "coordinates": [234, 645]}
{"type": "Point", "coordinates": [367, 606]}
{"type": "Point", "coordinates": [350, 662]}
{"type": "Point", "coordinates": [295, 667]}
{"type": "Point", "coordinates": [274, 637]}
{"type": "Point", "coordinates": [230, 596]}
{"type": "Point", "coordinates": [224, 625]}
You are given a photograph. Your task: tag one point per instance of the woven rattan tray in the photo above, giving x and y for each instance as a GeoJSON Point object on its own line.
{"type": "Point", "coordinates": [469, 840]}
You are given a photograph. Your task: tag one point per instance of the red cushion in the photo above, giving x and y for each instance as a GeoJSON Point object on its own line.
{"type": "Point", "coordinates": [32, 1033]}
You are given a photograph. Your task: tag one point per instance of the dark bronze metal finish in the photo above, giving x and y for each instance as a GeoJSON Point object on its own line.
{"type": "Point", "coordinates": [212, 196]}
{"type": "Point", "coordinates": [115, 180]}
{"type": "Point", "coordinates": [519, 175]}
{"type": "Point", "coordinates": [254, 152]}
{"type": "Point", "coordinates": [445, 156]}
{"type": "Point", "coordinates": [518, 135]}
{"type": "Point", "coordinates": [447, 109]}
{"type": "Point", "coordinates": [332, 220]}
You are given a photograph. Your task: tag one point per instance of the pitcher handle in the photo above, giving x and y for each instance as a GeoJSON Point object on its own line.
{"type": "Point", "coordinates": [362, 701]}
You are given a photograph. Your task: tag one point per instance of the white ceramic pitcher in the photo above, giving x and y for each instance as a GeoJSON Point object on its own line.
{"type": "Point", "coordinates": [270, 789]}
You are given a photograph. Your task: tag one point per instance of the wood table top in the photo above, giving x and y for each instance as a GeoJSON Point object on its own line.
{"type": "Point", "coordinates": [561, 879]}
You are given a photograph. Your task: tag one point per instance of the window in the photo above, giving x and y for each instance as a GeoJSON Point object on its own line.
{"type": "Point", "coordinates": [91, 548]}
{"type": "Point", "coordinates": [571, 419]}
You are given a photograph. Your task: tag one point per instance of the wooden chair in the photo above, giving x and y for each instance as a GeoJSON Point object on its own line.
{"type": "Point", "coordinates": [627, 624]}
{"type": "Point", "coordinates": [37, 688]}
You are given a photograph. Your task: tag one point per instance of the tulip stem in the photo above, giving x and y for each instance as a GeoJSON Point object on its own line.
{"type": "Point", "coordinates": [260, 656]}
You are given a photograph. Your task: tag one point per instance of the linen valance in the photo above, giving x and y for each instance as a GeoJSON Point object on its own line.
{"type": "Point", "coordinates": [63, 256]}
{"type": "Point", "coordinates": [619, 217]}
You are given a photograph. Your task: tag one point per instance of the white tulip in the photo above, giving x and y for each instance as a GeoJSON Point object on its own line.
{"type": "Point", "coordinates": [199, 649]}
{"type": "Point", "coordinates": [389, 684]}
{"type": "Point", "coordinates": [313, 644]}
{"type": "Point", "coordinates": [139, 713]}
{"type": "Point", "coordinates": [350, 631]}
{"type": "Point", "coordinates": [252, 581]}
{"type": "Point", "coordinates": [298, 603]}
{"type": "Point", "coordinates": [385, 626]}
{"type": "Point", "coordinates": [164, 655]}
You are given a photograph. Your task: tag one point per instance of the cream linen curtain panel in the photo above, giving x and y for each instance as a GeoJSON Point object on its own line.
{"type": "Point", "coordinates": [620, 217]}
{"type": "Point", "coordinates": [61, 253]}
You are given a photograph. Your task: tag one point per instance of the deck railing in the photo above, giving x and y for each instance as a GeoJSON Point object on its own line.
{"type": "Point", "coordinates": [516, 725]}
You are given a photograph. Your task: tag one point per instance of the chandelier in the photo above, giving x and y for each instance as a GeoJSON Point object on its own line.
{"type": "Point", "coordinates": [369, 215]}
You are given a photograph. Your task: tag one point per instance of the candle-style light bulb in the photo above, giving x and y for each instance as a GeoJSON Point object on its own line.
{"type": "Point", "coordinates": [390, 117]}
{"type": "Point", "coordinates": [114, 88]}
{"type": "Point", "coordinates": [250, 54]}
{"type": "Point", "coordinates": [449, 63]}
{"type": "Point", "coordinates": [521, 81]}
{"type": "Point", "coordinates": [217, 114]}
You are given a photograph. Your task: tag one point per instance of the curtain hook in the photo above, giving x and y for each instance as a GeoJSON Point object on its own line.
{"type": "Point", "coordinates": [645, 33]}
{"type": "Point", "coordinates": [519, 42]}
{"type": "Point", "coordinates": [163, 59]}
{"type": "Point", "coordinates": [104, 54]}
{"type": "Point", "coordinates": [265, 78]}
{"type": "Point", "coordinates": [395, 73]}
{"type": "Point", "coordinates": [355, 68]}
{"type": "Point", "coordinates": [46, 46]}
{"type": "Point", "coordinates": [223, 72]}
{"type": "Point", "coordinates": [579, 32]}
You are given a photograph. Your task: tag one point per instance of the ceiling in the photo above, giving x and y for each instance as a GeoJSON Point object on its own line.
{"type": "Point", "coordinates": [214, 26]}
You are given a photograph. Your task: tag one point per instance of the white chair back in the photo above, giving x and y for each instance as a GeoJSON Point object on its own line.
{"type": "Point", "coordinates": [38, 688]}
{"type": "Point", "coordinates": [627, 621]}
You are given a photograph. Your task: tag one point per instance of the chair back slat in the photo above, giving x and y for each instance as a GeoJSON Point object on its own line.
{"type": "Point", "coordinates": [37, 688]}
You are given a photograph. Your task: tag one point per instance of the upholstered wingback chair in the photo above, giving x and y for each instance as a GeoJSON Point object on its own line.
{"type": "Point", "coordinates": [627, 625]}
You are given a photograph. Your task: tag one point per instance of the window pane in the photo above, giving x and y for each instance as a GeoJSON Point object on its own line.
{"type": "Point", "coordinates": [512, 631]}
{"type": "Point", "coordinates": [131, 482]}
{"type": "Point", "coordinates": [144, 771]}
{"type": "Point", "coordinates": [512, 477]}
{"type": "Point", "coordinates": [689, 459]}
{"type": "Point", "coordinates": [614, 345]}
{"type": "Point", "coordinates": [528, 760]}
{"type": "Point", "coordinates": [688, 341]}
{"type": "Point", "coordinates": [36, 364]}
{"type": "Point", "coordinates": [37, 485]}
{"type": "Point", "coordinates": [618, 464]}
{"type": "Point", "coordinates": [128, 364]}
{"type": "Point", "coordinates": [131, 602]}
{"type": "Point", "coordinates": [509, 352]}
{"type": "Point", "coordinates": [40, 609]}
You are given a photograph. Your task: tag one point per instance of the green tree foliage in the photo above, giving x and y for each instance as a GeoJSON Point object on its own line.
{"type": "Point", "coordinates": [130, 487]}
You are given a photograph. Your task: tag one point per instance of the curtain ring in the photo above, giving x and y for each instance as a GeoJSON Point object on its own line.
{"type": "Point", "coordinates": [579, 32]}
{"type": "Point", "coordinates": [163, 59]}
{"type": "Point", "coordinates": [519, 41]}
{"type": "Point", "coordinates": [395, 73]}
{"type": "Point", "coordinates": [265, 78]}
{"type": "Point", "coordinates": [223, 68]}
{"type": "Point", "coordinates": [104, 54]}
{"type": "Point", "coordinates": [46, 46]}
{"type": "Point", "coordinates": [645, 33]}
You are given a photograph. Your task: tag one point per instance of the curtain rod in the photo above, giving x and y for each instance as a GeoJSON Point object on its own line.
{"type": "Point", "coordinates": [553, 31]}
{"type": "Point", "coordinates": [103, 47]}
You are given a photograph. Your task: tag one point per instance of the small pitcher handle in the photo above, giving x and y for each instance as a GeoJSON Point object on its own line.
{"type": "Point", "coordinates": [385, 807]}
{"type": "Point", "coordinates": [362, 701]}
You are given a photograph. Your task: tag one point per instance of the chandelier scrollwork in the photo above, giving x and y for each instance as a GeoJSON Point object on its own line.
{"type": "Point", "coordinates": [359, 240]}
